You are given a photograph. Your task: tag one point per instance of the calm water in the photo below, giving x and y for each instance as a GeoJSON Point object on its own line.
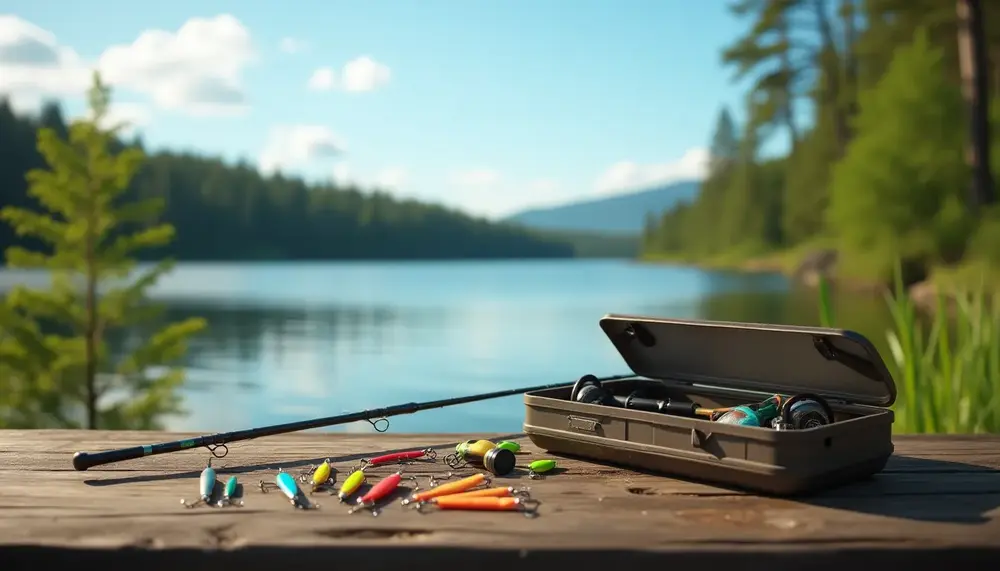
{"type": "Point", "coordinates": [293, 341]}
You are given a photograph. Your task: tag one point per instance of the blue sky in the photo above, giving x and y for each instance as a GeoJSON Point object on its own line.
{"type": "Point", "coordinates": [487, 106]}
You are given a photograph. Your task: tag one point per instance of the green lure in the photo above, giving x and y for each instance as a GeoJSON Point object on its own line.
{"type": "Point", "coordinates": [539, 467]}
{"type": "Point", "coordinates": [508, 445]}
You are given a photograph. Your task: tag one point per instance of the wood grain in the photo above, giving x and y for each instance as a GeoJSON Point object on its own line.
{"type": "Point", "coordinates": [937, 500]}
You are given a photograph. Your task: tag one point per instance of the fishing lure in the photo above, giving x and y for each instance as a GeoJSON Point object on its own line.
{"type": "Point", "coordinates": [528, 506]}
{"type": "Point", "coordinates": [229, 494]}
{"type": "Point", "coordinates": [500, 492]}
{"type": "Point", "coordinates": [286, 484]}
{"type": "Point", "coordinates": [463, 485]}
{"type": "Point", "coordinates": [539, 467]}
{"type": "Point", "coordinates": [322, 477]}
{"type": "Point", "coordinates": [461, 446]}
{"type": "Point", "coordinates": [509, 445]}
{"type": "Point", "coordinates": [398, 458]}
{"type": "Point", "coordinates": [378, 492]}
{"type": "Point", "coordinates": [351, 484]}
{"type": "Point", "coordinates": [206, 485]}
{"type": "Point", "coordinates": [499, 461]}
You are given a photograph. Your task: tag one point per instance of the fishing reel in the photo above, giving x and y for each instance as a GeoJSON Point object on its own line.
{"type": "Point", "coordinates": [588, 390]}
{"type": "Point", "coordinates": [798, 412]}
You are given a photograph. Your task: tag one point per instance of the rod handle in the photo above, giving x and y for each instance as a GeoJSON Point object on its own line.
{"type": "Point", "coordinates": [84, 460]}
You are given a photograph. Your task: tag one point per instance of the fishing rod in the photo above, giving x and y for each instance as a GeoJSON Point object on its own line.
{"type": "Point", "coordinates": [217, 442]}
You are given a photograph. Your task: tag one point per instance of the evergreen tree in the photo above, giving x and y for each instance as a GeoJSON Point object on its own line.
{"type": "Point", "coordinates": [899, 188]}
{"type": "Point", "coordinates": [55, 360]}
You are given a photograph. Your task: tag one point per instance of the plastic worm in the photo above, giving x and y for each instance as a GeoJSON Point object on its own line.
{"type": "Point", "coordinates": [458, 486]}
{"type": "Point", "coordinates": [501, 492]}
{"type": "Point", "coordinates": [527, 505]}
{"type": "Point", "coordinates": [399, 456]}
{"type": "Point", "coordinates": [380, 490]}
{"type": "Point", "coordinates": [351, 484]}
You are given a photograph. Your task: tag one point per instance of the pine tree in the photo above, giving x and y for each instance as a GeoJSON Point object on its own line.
{"type": "Point", "coordinates": [53, 353]}
{"type": "Point", "coordinates": [898, 189]}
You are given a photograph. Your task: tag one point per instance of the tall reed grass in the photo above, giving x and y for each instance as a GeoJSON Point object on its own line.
{"type": "Point", "coordinates": [946, 365]}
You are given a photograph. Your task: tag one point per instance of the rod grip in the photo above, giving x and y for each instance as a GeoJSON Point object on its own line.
{"type": "Point", "coordinates": [84, 460]}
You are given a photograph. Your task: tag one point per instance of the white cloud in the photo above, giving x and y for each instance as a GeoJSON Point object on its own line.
{"type": "Point", "coordinates": [297, 145]}
{"type": "Point", "coordinates": [292, 45]}
{"type": "Point", "coordinates": [358, 75]}
{"type": "Point", "coordinates": [627, 176]}
{"type": "Point", "coordinates": [477, 177]}
{"type": "Point", "coordinates": [391, 178]}
{"type": "Point", "coordinates": [365, 74]}
{"type": "Point", "coordinates": [196, 69]}
{"type": "Point", "coordinates": [544, 186]}
{"type": "Point", "coordinates": [323, 79]}
{"type": "Point", "coordinates": [34, 65]}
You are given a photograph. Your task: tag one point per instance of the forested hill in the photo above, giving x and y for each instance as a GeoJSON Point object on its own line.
{"type": "Point", "coordinates": [622, 215]}
{"type": "Point", "coordinates": [224, 212]}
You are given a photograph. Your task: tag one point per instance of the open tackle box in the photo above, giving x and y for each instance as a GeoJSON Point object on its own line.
{"type": "Point", "coordinates": [716, 365]}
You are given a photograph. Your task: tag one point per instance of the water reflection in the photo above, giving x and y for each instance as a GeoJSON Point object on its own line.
{"type": "Point", "coordinates": [293, 341]}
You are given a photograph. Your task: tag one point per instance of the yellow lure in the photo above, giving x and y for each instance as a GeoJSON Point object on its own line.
{"type": "Point", "coordinates": [322, 474]}
{"type": "Point", "coordinates": [479, 448]}
{"type": "Point", "coordinates": [351, 484]}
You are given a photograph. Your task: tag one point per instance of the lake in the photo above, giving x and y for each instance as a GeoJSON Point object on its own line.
{"type": "Point", "coordinates": [290, 341]}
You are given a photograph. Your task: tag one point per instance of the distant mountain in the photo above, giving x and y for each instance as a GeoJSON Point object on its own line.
{"type": "Point", "coordinates": [622, 214]}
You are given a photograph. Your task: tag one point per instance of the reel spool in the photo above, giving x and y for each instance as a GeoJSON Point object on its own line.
{"type": "Point", "coordinates": [803, 411]}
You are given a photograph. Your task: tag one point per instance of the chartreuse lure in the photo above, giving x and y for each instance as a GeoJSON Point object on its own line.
{"type": "Point", "coordinates": [509, 445]}
{"type": "Point", "coordinates": [206, 485]}
{"type": "Point", "coordinates": [539, 467]}
{"type": "Point", "coordinates": [351, 485]}
{"type": "Point", "coordinates": [229, 494]}
{"type": "Point", "coordinates": [285, 483]}
{"type": "Point", "coordinates": [322, 477]}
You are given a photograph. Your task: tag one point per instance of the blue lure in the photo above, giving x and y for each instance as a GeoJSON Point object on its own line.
{"type": "Point", "coordinates": [206, 485]}
{"type": "Point", "coordinates": [285, 483]}
{"type": "Point", "coordinates": [229, 493]}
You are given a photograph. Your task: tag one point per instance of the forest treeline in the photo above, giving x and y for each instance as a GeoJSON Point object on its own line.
{"type": "Point", "coordinates": [232, 212]}
{"type": "Point", "coordinates": [870, 95]}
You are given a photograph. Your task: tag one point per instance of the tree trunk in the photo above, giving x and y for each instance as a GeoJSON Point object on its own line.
{"type": "Point", "coordinates": [975, 90]}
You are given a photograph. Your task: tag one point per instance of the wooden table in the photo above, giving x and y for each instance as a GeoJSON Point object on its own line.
{"type": "Point", "coordinates": [937, 502]}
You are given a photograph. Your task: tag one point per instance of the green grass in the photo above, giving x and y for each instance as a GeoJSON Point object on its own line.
{"type": "Point", "coordinates": [946, 365]}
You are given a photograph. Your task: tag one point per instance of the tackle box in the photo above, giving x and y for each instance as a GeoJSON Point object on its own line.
{"type": "Point", "coordinates": [724, 364]}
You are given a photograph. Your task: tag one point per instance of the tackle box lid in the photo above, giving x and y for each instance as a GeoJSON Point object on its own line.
{"type": "Point", "coordinates": [836, 364]}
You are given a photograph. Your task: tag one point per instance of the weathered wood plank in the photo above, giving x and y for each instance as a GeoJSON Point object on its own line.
{"type": "Point", "coordinates": [937, 492]}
